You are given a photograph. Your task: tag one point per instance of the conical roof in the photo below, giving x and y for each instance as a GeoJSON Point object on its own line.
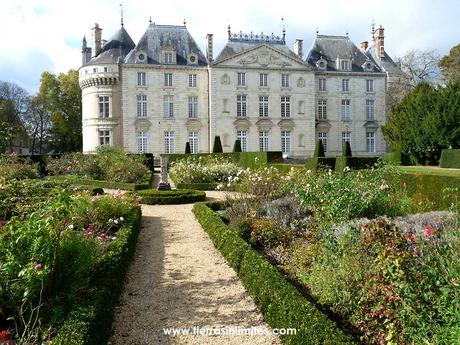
{"type": "Point", "coordinates": [118, 46]}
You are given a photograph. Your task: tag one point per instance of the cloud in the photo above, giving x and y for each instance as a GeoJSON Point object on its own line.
{"type": "Point", "coordinates": [51, 30]}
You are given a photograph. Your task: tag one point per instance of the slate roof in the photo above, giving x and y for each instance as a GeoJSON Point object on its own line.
{"type": "Point", "coordinates": [332, 47]}
{"type": "Point", "coordinates": [173, 37]}
{"type": "Point", "coordinates": [117, 47]}
{"type": "Point", "coordinates": [386, 64]}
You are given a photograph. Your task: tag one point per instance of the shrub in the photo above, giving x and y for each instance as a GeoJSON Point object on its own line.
{"type": "Point", "coordinates": [166, 197]}
{"type": "Point", "coordinates": [198, 186]}
{"type": "Point", "coordinates": [13, 167]}
{"type": "Point", "coordinates": [217, 145]}
{"type": "Point", "coordinates": [77, 163]}
{"type": "Point", "coordinates": [450, 159]}
{"type": "Point", "coordinates": [269, 234]}
{"type": "Point", "coordinates": [319, 149]}
{"type": "Point", "coordinates": [237, 146]}
{"type": "Point", "coordinates": [346, 149]}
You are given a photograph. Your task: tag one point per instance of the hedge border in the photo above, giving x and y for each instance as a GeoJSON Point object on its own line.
{"type": "Point", "coordinates": [198, 186]}
{"type": "Point", "coordinates": [282, 305]}
{"type": "Point", "coordinates": [171, 197]}
{"type": "Point", "coordinates": [101, 184]}
{"type": "Point", "coordinates": [450, 158]}
{"type": "Point", "coordinates": [91, 322]}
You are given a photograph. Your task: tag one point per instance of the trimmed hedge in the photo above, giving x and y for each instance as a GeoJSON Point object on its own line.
{"type": "Point", "coordinates": [198, 186]}
{"type": "Point", "coordinates": [90, 323]}
{"type": "Point", "coordinates": [314, 163]}
{"type": "Point", "coordinates": [286, 168]}
{"type": "Point", "coordinates": [169, 197]}
{"type": "Point", "coordinates": [354, 163]}
{"type": "Point", "coordinates": [102, 184]}
{"type": "Point", "coordinates": [282, 305]}
{"type": "Point", "coordinates": [450, 159]}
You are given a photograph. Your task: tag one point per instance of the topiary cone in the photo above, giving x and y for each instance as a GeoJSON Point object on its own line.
{"type": "Point", "coordinates": [237, 146]}
{"type": "Point", "coordinates": [217, 148]}
{"type": "Point", "coordinates": [187, 148]}
{"type": "Point", "coordinates": [319, 149]}
{"type": "Point", "coordinates": [346, 149]}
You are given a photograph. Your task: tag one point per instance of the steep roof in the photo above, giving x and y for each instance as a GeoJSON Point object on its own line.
{"type": "Point", "coordinates": [117, 47]}
{"type": "Point", "coordinates": [386, 64]}
{"type": "Point", "coordinates": [158, 37]}
{"type": "Point", "coordinates": [330, 48]}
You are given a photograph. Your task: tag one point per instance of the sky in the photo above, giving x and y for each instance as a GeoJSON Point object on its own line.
{"type": "Point", "coordinates": [46, 35]}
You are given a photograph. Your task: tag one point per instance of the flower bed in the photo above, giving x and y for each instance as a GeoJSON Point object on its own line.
{"type": "Point", "coordinates": [14, 167]}
{"type": "Point", "coordinates": [80, 181]}
{"type": "Point", "coordinates": [168, 197]}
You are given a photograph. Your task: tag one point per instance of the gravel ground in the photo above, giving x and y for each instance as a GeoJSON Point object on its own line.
{"type": "Point", "coordinates": [179, 280]}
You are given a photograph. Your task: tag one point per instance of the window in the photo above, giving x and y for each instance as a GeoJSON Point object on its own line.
{"type": "Point", "coordinates": [142, 142]}
{"type": "Point", "coordinates": [241, 79]}
{"type": "Point", "coordinates": [370, 109]}
{"type": "Point", "coordinates": [263, 78]}
{"type": "Point", "coordinates": [168, 58]}
{"type": "Point", "coordinates": [323, 137]}
{"type": "Point", "coordinates": [345, 65]}
{"type": "Point", "coordinates": [169, 142]}
{"type": "Point", "coordinates": [106, 69]}
{"type": "Point", "coordinates": [346, 111]}
{"type": "Point", "coordinates": [141, 106]}
{"type": "Point", "coordinates": [141, 78]}
{"type": "Point", "coordinates": [104, 106]}
{"type": "Point", "coordinates": [193, 141]}
{"type": "Point", "coordinates": [345, 85]}
{"type": "Point", "coordinates": [263, 141]}
{"type": "Point", "coordinates": [263, 106]}
{"type": "Point", "coordinates": [168, 79]}
{"type": "Point", "coordinates": [322, 109]}
{"type": "Point", "coordinates": [192, 80]}
{"type": "Point", "coordinates": [285, 106]}
{"type": "Point", "coordinates": [168, 106]}
{"type": "Point", "coordinates": [346, 137]}
{"type": "Point", "coordinates": [241, 105]}
{"type": "Point", "coordinates": [104, 137]}
{"type": "Point", "coordinates": [369, 85]}
{"type": "Point", "coordinates": [370, 142]}
{"type": "Point", "coordinates": [286, 141]}
{"type": "Point", "coordinates": [322, 84]}
{"type": "Point", "coordinates": [284, 80]}
{"type": "Point", "coordinates": [193, 106]}
{"type": "Point", "coordinates": [242, 136]}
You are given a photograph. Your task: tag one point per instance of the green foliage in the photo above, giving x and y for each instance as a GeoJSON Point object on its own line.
{"type": "Point", "coordinates": [314, 163]}
{"type": "Point", "coordinates": [217, 145]}
{"type": "Point", "coordinates": [237, 146]}
{"type": "Point", "coordinates": [198, 186]}
{"type": "Point", "coordinates": [13, 167]}
{"type": "Point", "coordinates": [168, 197]}
{"type": "Point", "coordinates": [450, 159]}
{"type": "Point", "coordinates": [346, 149]}
{"type": "Point", "coordinates": [187, 148]}
{"type": "Point", "coordinates": [78, 181]}
{"type": "Point", "coordinates": [450, 64]}
{"type": "Point", "coordinates": [269, 234]}
{"type": "Point", "coordinates": [319, 149]}
{"type": "Point", "coordinates": [6, 135]}
{"type": "Point", "coordinates": [280, 302]}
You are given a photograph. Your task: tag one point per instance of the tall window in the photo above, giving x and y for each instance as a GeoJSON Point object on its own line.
{"type": "Point", "coordinates": [345, 85]}
{"type": "Point", "coordinates": [263, 141]}
{"type": "Point", "coordinates": [192, 80]}
{"type": "Point", "coordinates": [141, 78]}
{"type": "Point", "coordinates": [263, 106]}
{"type": "Point", "coordinates": [168, 102]}
{"type": "Point", "coordinates": [322, 84]}
{"type": "Point", "coordinates": [346, 137]}
{"type": "Point", "coordinates": [286, 141]}
{"type": "Point", "coordinates": [322, 109]}
{"type": "Point", "coordinates": [168, 79]}
{"type": "Point", "coordinates": [369, 85]}
{"type": "Point", "coordinates": [141, 105]}
{"type": "Point", "coordinates": [284, 80]}
{"type": "Point", "coordinates": [170, 146]}
{"type": "Point", "coordinates": [193, 106]}
{"type": "Point", "coordinates": [345, 65]}
{"type": "Point", "coordinates": [168, 58]}
{"type": "Point", "coordinates": [370, 109]}
{"type": "Point", "coordinates": [104, 137]}
{"type": "Point", "coordinates": [193, 141]}
{"type": "Point", "coordinates": [285, 106]}
{"type": "Point", "coordinates": [241, 79]}
{"type": "Point", "coordinates": [370, 142]}
{"type": "Point", "coordinates": [104, 106]}
{"type": "Point", "coordinates": [242, 136]}
{"type": "Point", "coordinates": [263, 79]}
{"type": "Point", "coordinates": [142, 142]}
{"type": "Point", "coordinates": [241, 105]}
{"type": "Point", "coordinates": [323, 137]}
{"type": "Point", "coordinates": [346, 111]}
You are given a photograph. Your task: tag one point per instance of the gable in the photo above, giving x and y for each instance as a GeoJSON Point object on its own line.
{"type": "Point", "coordinates": [262, 56]}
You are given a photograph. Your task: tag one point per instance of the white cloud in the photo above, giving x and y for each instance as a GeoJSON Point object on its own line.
{"type": "Point", "coordinates": [54, 27]}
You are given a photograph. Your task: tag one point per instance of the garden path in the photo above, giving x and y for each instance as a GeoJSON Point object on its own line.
{"type": "Point", "coordinates": [179, 280]}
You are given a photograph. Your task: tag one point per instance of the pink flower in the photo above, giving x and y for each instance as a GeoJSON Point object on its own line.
{"type": "Point", "coordinates": [38, 267]}
{"type": "Point", "coordinates": [429, 231]}
{"type": "Point", "coordinates": [89, 231]}
{"type": "Point", "coordinates": [2, 222]}
{"type": "Point", "coordinates": [384, 186]}
{"type": "Point", "coordinates": [4, 335]}
{"type": "Point", "coordinates": [393, 298]}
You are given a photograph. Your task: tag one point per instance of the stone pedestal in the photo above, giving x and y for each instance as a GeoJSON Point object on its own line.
{"type": "Point", "coordinates": [164, 184]}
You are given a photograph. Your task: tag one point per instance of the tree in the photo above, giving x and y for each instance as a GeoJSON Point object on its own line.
{"type": "Point", "coordinates": [61, 97]}
{"type": "Point", "coordinates": [319, 149]}
{"type": "Point", "coordinates": [187, 148]}
{"type": "Point", "coordinates": [37, 122]}
{"type": "Point", "coordinates": [421, 66]}
{"type": "Point", "coordinates": [6, 135]}
{"type": "Point", "coordinates": [237, 146]}
{"type": "Point", "coordinates": [450, 64]}
{"type": "Point", "coordinates": [217, 145]}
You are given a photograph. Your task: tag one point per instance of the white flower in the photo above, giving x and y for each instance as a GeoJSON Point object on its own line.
{"type": "Point", "coordinates": [110, 220]}
{"type": "Point", "coordinates": [71, 226]}
{"type": "Point", "coordinates": [346, 169]}
{"type": "Point", "coordinates": [121, 219]}
{"type": "Point", "coordinates": [116, 221]}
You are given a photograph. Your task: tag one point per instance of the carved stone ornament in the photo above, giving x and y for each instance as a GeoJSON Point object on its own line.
{"type": "Point", "coordinates": [225, 80]}
{"type": "Point", "coordinates": [301, 82]}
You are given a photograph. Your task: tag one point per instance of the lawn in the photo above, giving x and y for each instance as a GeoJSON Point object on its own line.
{"type": "Point", "coordinates": [432, 170]}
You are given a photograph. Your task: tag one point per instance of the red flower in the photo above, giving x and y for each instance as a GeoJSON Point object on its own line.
{"type": "Point", "coordinates": [393, 298]}
{"type": "Point", "coordinates": [429, 231]}
{"type": "Point", "coordinates": [4, 335]}
{"type": "Point", "coordinates": [390, 287]}
{"type": "Point", "coordinates": [417, 250]}
{"type": "Point", "coordinates": [1, 222]}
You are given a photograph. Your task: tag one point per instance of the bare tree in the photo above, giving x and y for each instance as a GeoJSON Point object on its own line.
{"type": "Point", "coordinates": [421, 65]}
{"type": "Point", "coordinates": [37, 121]}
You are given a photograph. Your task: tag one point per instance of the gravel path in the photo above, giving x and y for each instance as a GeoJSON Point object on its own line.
{"type": "Point", "coordinates": [179, 280]}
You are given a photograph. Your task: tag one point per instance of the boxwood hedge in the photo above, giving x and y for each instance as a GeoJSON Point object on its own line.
{"type": "Point", "coordinates": [168, 197]}
{"type": "Point", "coordinates": [450, 159]}
{"type": "Point", "coordinates": [198, 186]}
{"type": "Point", "coordinates": [74, 180]}
{"type": "Point", "coordinates": [282, 305]}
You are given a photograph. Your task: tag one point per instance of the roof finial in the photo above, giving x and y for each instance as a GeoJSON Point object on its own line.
{"type": "Point", "coordinates": [373, 28]}
{"type": "Point", "coordinates": [229, 31]}
{"type": "Point", "coordinates": [317, 31]}
{"type": "Point", "coordinates": [121, 14]}
{"type": "Point", "coordinates": [150, 19]}
{"type": "Point", "coordinates": [346, 33]}
{"type": "Point", "coordinates": [284, 29]}
{"type": "Point", "coordinates": [185, 22]}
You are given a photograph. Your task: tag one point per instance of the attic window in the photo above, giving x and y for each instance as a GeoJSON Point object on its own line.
{"type": "Point", "coordinates": [345, 65]}
{"type": "Point", "coordinates": [321, 64]}
{"type": "Point", "coordinates": [141, 57]}
{"type": "Point", "coordinates": [168, 58]}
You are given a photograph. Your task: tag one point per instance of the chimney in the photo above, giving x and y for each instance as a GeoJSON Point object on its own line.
{"type": "Point", "coordinates": [298, 48]}
{"type": "Point", "coordinates": [379, 42]}
{"type": "Point", "coordinates": [209, 53]}
{"type": "Point", "coordinates": [97, 39]}
{"type": "Point", "coordinates": [104, 42]}
{"type": "Point", "coordinates": [85, 52]}
{"type": "Point", "coordinates": [364, 46]}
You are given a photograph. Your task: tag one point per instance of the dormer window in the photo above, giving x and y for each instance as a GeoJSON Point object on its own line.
{"type": "Point", "coordinates": [168, 57]}
{"type": "Point", "coordinates": [345, 65]}
{"type": "Point", "coordinates": [321, 64]}
{"type": "Point", "coordinates": [192, 59]}
{"type": "Point", "coordinates": [368, 66]}
{"type": "Point", "coordinates": [141, 57]}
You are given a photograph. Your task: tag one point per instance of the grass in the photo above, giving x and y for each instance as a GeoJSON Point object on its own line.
{"type": "Point", "coordinates": [432, 170]}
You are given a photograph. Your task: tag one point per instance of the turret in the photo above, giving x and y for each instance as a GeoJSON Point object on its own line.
{"type": "Point", "coordinates": [85, 52]}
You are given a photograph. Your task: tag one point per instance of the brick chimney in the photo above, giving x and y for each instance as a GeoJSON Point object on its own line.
{"type": "Point", "coordinates": [97, 39]}
{"type": "Point", "coordinates": [209, 47]}
{"type": "Point", "coordinates": [379, 42]}
{"type": "Point", "coordinates": [298, 48]}
{"type": "Point", "coordinates": [364, 46]}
